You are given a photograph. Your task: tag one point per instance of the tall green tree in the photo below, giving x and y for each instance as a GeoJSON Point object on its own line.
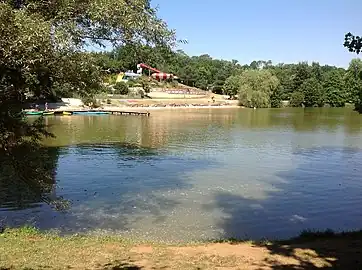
{"type": "Point", "coordinates": [353, 82]}
{"type": "Point", "coordinates": [335, 89]}
{"type": "Point", "coordinates": [313, 92]}
{"type": "Point", "coordinates": [232, 86]}
{"type": "Point", "coordinates": [302, 72]}
{"type": "Point", "coordinates": [354, 44]}
{"type": "Point", "coordinates": [256, 88]}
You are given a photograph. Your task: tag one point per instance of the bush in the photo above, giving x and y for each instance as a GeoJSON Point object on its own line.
{"type": "Point", "coordinates": [141, 93]}
{"type": "Point", "coordinates": [132, 83]}
{"type": "Point", "coordinates": [174, 84]}
{"type": "Point", "coordinates": [91, 102]}
{"type": "Point", "coordinates": [121, 88]}
{"type": "Point", "coordinates": [297, 99]}
{"type": "Point", "coordinates": [146, 86]}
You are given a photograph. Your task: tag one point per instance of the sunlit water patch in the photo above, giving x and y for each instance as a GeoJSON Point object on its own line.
{"type": "Point", "coordinates": [196, 175]}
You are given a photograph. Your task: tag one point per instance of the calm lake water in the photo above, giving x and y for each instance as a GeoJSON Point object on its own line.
{"type": "Point", "coordinates": [192, 175]}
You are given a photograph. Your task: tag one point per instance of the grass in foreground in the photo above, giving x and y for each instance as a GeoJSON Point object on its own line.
{"type": "Point", "coordinates": [28, 248]}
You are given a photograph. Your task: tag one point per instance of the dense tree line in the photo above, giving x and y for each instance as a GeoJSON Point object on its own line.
{"type": "Point", "coordinates": [259, 84]}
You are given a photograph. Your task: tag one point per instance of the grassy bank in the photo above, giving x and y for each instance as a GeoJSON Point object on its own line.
{"type": "Point", "coordinates": [27, 248]}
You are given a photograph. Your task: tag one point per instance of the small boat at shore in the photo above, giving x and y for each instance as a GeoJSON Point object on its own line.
{"type": "Point", "coordinates": [33, 113]}
{"type": "Point", "coordinates": [67, 113]}
{"type": "Point", "coordinates": [45, 113]}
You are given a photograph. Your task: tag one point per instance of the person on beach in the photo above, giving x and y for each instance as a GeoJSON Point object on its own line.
{"type": "Point", "coordinates": [46, 106]}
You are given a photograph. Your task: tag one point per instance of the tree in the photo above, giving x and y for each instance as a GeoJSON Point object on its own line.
{"type": "Point", "coordinates": [302, 72]}
{"type": "Point", "coordinates": [353, 43]}
{"type": "Point", "coordinates": [313, 92]}
{"type": "Point", "coordinates": [296, 99]}
{"type": "Point", "coordinates": [353, 82]}
{"type": "Point", "coordinates": [285, 75]}
{"type": "Point", "coordinates": [333, 83]}
{"type": "Point", "coordinates": [316, 71]}
{"type": "Point", "coordinates": [276, 97]}
{"type": "Point", "coordinates": [41, 54]}
{"type": "Point", "coordinates": [256, 88]}
{"type": "Point", "coordinates": [231, 86]}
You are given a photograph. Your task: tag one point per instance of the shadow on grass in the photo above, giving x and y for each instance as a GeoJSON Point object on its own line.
{"type": "Point", "coordinates": [318, 250]}
{"type": "Point", "coordinates": [120, 266]}
{"type": "Point", "coordinates": [113, 266]}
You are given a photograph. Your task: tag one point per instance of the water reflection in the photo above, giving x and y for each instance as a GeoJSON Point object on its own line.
{"type": "Point", "coordinates": [111, 186]}
{"type": "Point", "coordinates": [38, 170]}
{"type": "Point", "coordinates": [165, 127]}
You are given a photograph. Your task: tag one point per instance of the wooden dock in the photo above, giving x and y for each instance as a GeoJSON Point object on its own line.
{"type": "Point", "coordinates": [100, 112]}
{"type": "Point", "coordinates": [130, 113]}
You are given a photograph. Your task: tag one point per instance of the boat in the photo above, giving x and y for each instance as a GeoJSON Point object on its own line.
{"type": "Point", "coordinates": [67, 113]}
{"type": "Point", "coordinates": [48, 113]}
{"type": "Point", "coordinates": [91, 112]}
{"type": "Point", "coordinates": [33, 113]}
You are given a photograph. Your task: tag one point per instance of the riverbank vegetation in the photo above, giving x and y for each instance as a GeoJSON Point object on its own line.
{"type": "Point", "coordinates": [301, 84]}
{"type": "Point", "coordinates": [27, 248]}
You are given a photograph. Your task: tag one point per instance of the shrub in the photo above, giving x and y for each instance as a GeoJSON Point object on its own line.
{"type": "Point", "coordinates": [91, 102]}
{"type": "Point", "coordinates": [132, 83]}
{"type": "Point", "coordinates": [121, 88]}
{"type": "Point", "coordinates": [174, 84]}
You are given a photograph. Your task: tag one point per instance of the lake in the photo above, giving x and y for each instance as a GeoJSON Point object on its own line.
{"type": "Point", "coordinates": [199, 174]}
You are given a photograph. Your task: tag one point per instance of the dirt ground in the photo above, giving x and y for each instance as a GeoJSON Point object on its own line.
{"type": "Point", "coordinates": [23, 250]}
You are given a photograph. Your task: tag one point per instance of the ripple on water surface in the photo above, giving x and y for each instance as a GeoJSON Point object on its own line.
{"type": "Point", "coordinates": [202, 175]}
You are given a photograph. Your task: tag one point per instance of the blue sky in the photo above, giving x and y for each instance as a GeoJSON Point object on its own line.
{"type": "Point", "coordinates": [279, 30]}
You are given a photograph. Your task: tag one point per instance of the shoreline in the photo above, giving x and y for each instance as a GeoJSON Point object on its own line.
{"type": "Point", "coordinates": [311, 250]}
{"type": "Point", "coordinates": [143, 108]}
{"type": "Point", "coordinates": [155, 108]}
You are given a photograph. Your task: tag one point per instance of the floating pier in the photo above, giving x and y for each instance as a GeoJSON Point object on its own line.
{"type": "Point", "coordinates": [100, 112]}
{"type": "Point", "coordinates": [86, 112]}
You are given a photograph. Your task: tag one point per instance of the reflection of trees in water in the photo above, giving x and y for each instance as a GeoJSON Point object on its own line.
{"type": "Point", "coordinates": [165, 127]}
{"type": "Point", "coordinates": [32, 181]}
{"type": "Point", "coordinates": [155, 131]}
{"type": "Point", "coordinates": [131, 185]}
{"type": "Point", "coordinates": [27, 178]}
{"type": "Point", "coordinates": [299, 119]}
